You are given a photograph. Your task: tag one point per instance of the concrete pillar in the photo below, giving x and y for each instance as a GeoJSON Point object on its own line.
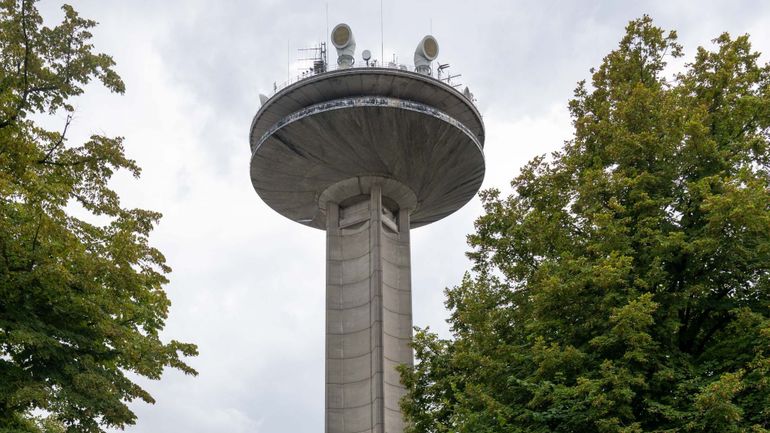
{"type": "Point", "coordinates": [368, 313]}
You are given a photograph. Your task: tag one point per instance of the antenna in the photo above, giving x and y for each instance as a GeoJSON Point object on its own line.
{"type": "Point", "coordinates": [316, 55]}
{"type": "Point", "coordinates": [288, 62]}
{"type": "Point", "coordinates": [449, 79]}
{"type": "Point", "coordinates": [441, 68]}
{"type": "Point", "coordinates": [327, 24]}
{"type": "Point", "coordinates": [343, 41]}
{"type": "Point", "coordinates": [382, 35]}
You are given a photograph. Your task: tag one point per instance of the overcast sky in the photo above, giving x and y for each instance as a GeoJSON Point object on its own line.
{"type": "Point", "coordinates": [248, 285]}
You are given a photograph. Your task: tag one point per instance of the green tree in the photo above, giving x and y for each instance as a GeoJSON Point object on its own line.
{"type": "Point", "coordinates": [624, 285]}
{"type": "Point", "coordinates": [81, 303]}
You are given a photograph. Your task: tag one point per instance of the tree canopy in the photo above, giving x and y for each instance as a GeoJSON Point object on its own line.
{"type": "Point", "coordinates": [81, 303]}
{"type": "Point", "coordinates": [624, 285]}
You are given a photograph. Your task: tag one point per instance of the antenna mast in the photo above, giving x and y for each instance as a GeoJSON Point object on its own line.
{"type": "Point", "coordinates": [327, 24]}
{"type": "Point", "coordinates": [288, 62]}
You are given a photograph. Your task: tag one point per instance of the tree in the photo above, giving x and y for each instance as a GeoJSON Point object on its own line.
{"type": "Point", "coordinates": [81, 302]}
{"type": "Point", "coordinates": [624, 285]}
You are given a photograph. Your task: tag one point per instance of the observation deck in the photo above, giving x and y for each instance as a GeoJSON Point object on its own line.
{"type": "Point", "coordinates": [342, 127]}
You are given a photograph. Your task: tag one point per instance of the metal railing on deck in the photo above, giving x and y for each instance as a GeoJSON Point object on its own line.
{"type": "Point", "coordinates": [310, 72]}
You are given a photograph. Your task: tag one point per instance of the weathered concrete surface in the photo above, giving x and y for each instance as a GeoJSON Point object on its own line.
{"type": "Point", "coordinates": [368, 313]}
{"type": "Point", "coordinates": [367, 154]}
{"type": "Point", "coordinates": [299, 150]}
{"type": "Point", "coordinates": [382, 82]}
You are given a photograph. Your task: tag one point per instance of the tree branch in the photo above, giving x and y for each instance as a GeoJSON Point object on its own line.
{"type": "Point", "coordinates": [25, 68]}
{"type": "Point", "coordinates": [59, 142]}
{"type": "Point", "coordinates": [723, 319]}
{"type": "Point", "coordinates": [34, 242]}
{"type": "Point", "coordinates": [67, 164]}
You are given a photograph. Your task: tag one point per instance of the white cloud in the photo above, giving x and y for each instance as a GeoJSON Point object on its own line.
{"type": "Point", "coordinates": [248, 285]}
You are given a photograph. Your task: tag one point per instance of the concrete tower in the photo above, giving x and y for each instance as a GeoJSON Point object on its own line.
{"type": "Point", "coordinates": [367, 153]}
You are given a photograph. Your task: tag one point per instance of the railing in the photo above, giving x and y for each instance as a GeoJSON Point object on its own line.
{"type": "Point", "coordinates": [372, 64]}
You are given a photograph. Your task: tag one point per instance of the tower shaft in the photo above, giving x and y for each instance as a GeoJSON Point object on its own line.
{"type": "Point", "coordinates": [368, 312]}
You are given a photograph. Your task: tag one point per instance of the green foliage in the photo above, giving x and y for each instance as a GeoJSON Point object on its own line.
{"type": "Point", "coordinates": [624, 285]}
{"type": "Point", "coordinates": [81, 304]}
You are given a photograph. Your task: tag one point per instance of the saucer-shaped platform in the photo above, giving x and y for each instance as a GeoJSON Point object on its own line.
{"type": "Point", "coordinates": [364, 122]}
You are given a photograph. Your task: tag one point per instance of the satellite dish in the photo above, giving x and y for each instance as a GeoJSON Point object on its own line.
{"type": "Point", "coordinates": [263, 99]}
{"type": "Point", "coordinates": [342, 36]}
{"type": "Point", "coordinates": [429, 47]}
{"type": "Point", "coordinates": [426, 52]}
{"type": "Point", "coordinates": [366, 55]}
{"type": "Point", "coordinates": [343, 41]}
